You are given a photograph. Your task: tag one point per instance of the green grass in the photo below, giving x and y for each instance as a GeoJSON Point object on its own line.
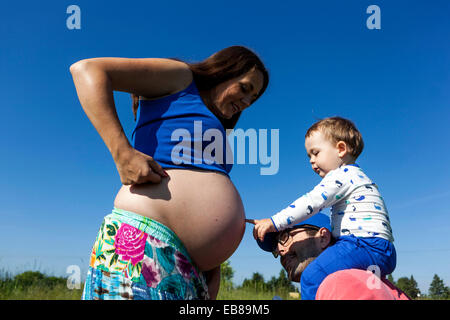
{"type": "Point", "coordinates": [37, 292]}
{"type": "Point", "coordinates": [36, 286]}
{"type": "Point", "coordinates": [60, 292]}
{"type": "Point", "coordinates": [251, 294]}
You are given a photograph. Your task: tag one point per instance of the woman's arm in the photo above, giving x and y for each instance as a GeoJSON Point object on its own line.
{"type": "Point", "coordinates": [96, 79]}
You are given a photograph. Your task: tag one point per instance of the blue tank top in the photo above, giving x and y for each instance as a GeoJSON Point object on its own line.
{"type": "Point", "coordinates": [179, 131]}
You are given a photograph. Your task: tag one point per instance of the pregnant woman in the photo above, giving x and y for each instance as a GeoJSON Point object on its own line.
{"type": "Point", "coordinates": [177, 216]}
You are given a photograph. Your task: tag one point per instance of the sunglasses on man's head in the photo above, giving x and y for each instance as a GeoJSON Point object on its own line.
{"type": "Point", "coordinates": [284, 236]}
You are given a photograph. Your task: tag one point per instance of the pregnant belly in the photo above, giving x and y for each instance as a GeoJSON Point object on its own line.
{"type": "Point", "coordinates": [203, 208]}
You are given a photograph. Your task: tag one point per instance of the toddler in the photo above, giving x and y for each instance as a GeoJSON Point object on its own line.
{"type": "Point", "coordinates": [359, 218]}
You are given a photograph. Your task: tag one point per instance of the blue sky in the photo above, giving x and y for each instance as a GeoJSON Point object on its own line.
{"type": "Point", "coordinates": [59, 179]}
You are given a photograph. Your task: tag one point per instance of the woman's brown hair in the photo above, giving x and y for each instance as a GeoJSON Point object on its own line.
{"type": "Point", "coordinates": [222, 66]}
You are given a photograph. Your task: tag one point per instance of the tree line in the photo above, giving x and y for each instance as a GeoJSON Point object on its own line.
{"type": "Point", "coordinates": [280, 283]}
{"type": "Point", "coordinates": [437, 289]}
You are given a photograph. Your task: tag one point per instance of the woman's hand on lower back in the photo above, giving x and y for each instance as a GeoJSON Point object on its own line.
{"type": "Point", "coordinates": [135, 167]}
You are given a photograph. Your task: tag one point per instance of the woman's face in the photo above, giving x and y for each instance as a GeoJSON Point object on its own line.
{"type": "Point", "coordinates": [235, 95]}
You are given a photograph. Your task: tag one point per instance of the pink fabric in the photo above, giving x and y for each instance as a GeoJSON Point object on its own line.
{"type": "Point", "coordinates": [354, 284]}
{"type": "Point", "coordinates": [130, 243]}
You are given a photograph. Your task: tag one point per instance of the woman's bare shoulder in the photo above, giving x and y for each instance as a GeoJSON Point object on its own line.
{"type": "Point", "coordinates": [146, 77]}
{"type": "Point", "coordinates": [178, 72]}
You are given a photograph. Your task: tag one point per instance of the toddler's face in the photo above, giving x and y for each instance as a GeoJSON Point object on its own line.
{"type": "Point", "coordinates": [323, 154]}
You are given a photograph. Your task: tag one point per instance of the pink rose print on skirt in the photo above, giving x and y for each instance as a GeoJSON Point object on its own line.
{"type": "Point", "coordinates": [151, 272]}
{"type": "Point", "coordinates": [130, 243]}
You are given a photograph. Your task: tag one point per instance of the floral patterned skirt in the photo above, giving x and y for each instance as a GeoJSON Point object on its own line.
{"type": "Point", "coordinates": [137, 258]}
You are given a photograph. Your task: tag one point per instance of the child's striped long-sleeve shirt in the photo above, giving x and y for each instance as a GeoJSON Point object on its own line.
{"type": "Point", "coordinates": [356, 205]}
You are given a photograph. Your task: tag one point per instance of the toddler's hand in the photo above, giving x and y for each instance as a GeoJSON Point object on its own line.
{"type": "Point", "coordinates": [261, 228]}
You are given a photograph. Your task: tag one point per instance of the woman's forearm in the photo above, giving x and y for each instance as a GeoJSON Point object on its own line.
{"type": "Point", "coordinates": [96, 96]}
{"type": "Point", "coordinates": [96, 80]}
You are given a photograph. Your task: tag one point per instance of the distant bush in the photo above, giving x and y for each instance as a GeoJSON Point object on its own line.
{"type": "Point", "coordinates": [35, 278]}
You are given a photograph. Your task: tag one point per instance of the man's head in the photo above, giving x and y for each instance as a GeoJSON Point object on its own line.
{"type": "Point", "coordinates": [300, 245]}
